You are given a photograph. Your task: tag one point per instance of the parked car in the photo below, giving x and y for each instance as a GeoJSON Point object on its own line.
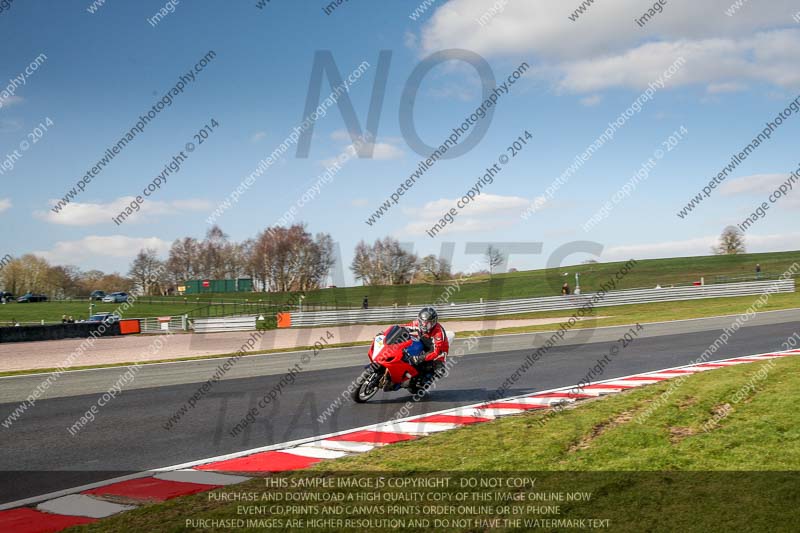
{"type": "Point", "coordinates": [31, 298]}
{"type": "Point", "coordinates": [108, 318]}
{"type": "Point", "coordinates": [97, 295]}
{"type": "Point", "coordinates": [116, 298]}
{"type": "Point", "coordinates": [6, 297]}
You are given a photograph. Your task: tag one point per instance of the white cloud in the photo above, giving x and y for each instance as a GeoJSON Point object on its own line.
{"type": "Point", "coordinates": [484, 204]}
{"type": "Point", "coordinates": [699, 246]}
{"type": "Point", "coordinates": [387, 151]}
{"type": "Point", "coordinates": [731, 87]}
{"type": "Point", "coordinates": [757, 183]}
{"type": "Point", "coordinates": [382, 151]}
{"type": "Point", "coordinates": [762, 185]}
{"type": "Point", "coordinates": [341, 135]}
{"type": "Point", "coordinates": [88, 214]}
{"type": "Point", "coordinates": [190, 204]}
{"type": "Point", "coordinates": [486, 213]}
{"type": "Point", "coordinates": [8, 125]}
{"type": "Point", "coordinates": [607, 50]}
{"type": "Point", "coordinates": [540, 203]}
{"type": "Point", "coordinates": [717, 62]}
{"type": "Point", "coordinates": [776, 242]}
{"type": "Point", "coordinates": [543, 27]}
{"type": "Point", "coordinates": [463, 92]}
{"type": "Point", "coordinates": [258, 136]}
{"type": "Point", "coordinates": [5, 204]}
{"type": "Point", "coordinates": [359, 202]}
{"type": "Point", "coordinates": [685, 248]}
{"type": "Point", "coordinates": [11, 100]}
{"type": "Point", "coordinates": [93, 249]}
{"type": "Point", "coordinates": [410, 40]}
{"type": "Point", "coordinates": [592, 100]}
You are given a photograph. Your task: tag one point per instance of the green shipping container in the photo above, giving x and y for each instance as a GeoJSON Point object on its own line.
{"type": "Point", "coordinates": [200, 286]}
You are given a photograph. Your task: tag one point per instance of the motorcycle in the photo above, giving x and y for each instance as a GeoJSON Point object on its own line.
{"type": "Point", "coordinates": [389, 369]}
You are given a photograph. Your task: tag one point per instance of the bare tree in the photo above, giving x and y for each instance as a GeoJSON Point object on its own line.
{"type": "Point", "coordinates": [183, 262]}
{"type": "Point", "coordinates": [111, 283]}
{"type": "Point", "coordinates": [383, 263]}
{"type": "Point", "coordinates": [213, 254]}
{"type": "Point", "coordinates": [731, 242]}
{"type": "Point", "coordinates": [362, 264]}
{"type": "Point", "coordinates": [435, 268]}
{"type": "Point", "coordinates": [27, 273]}
{"type": "Point", "coordinates": [289, 259]}
{"type": "Point", "coordinates": [320, 263]}
{"type": "Point", "coordinates": [148, 273]}
{"type": "Point", "coordinates": [65, 281]}
{"type": "Point", "coordinates": [494, 258]}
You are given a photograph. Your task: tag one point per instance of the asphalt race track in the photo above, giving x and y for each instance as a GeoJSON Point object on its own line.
{"type": "Point", "coordinates": [39, 455]}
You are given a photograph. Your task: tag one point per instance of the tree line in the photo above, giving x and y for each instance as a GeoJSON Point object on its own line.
{"type": "Point", "coordinates": [276, 259]}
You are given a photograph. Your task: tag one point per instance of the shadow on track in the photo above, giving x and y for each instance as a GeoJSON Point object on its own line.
{"type": "Point", "coordinates": [448, 396]}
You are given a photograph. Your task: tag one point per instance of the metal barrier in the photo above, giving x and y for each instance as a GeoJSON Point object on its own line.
{"type": "Point", "coordinates": [229, 323]}
{"type": "Point", "coordinates": [159, 325]}
{"type": "Point", "coordinates": [552, 303]}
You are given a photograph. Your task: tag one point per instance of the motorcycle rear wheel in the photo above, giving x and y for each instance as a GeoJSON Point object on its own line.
{"type": "Point", "coordinates": [366, 386]}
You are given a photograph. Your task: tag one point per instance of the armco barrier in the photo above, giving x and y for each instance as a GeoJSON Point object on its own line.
{"type": "Point", "coordinates": [389, 315]}
{"type": "Point", "coordinates": [56, 331]}
{"type": "Point", "coordinates": [160, 325]}
{"type": "Point", "coordinates": [228, 323]}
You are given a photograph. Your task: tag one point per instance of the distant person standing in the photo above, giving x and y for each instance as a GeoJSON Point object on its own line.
{"type": "Point", "coordinates": [365, 303]}
{"type": "Point", "coordinates": [565, 289]}
{"type": "Point", "coordinates": [758, 271]}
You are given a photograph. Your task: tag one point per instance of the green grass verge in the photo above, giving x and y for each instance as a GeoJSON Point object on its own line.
{"type": "Point", "coordinates": [665, 474]}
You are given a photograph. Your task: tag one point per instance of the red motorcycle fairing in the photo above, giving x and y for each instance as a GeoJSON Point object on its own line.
{"type": "Point", "coordinates": [391, 358]}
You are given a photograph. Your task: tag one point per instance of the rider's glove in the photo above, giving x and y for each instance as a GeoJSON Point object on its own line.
{"type": "Point", "coordinates": [417, 359]}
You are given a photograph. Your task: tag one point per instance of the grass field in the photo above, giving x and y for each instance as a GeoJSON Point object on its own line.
{"type": "Point", "coordinates": [646, 273]}
{"type": "Point", "coordinates": [684, 467]}
{"type": "Point", "coordinates": [52, 311]}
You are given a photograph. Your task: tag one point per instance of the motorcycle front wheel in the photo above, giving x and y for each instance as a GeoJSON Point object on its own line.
{"type": "Point", "coordinates": [366, 385]}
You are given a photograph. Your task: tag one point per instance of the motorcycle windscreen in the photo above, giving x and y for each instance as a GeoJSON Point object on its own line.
{"type": "Point", "coordinates": [396, 335]}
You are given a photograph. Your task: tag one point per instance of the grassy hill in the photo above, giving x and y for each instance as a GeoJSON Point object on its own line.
{"type": "Point", "coordinates": [547, 282]}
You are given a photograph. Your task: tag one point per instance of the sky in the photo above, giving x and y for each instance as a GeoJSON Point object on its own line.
{"type": "Point", "coordinates": [105, 65]}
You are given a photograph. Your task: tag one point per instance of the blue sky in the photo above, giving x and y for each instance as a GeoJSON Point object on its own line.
{"type": "Point", "coordinates": [104, 69]}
